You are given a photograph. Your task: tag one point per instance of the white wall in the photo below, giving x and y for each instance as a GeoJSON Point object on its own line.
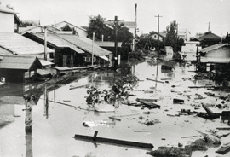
{"type": "Point", "coordinates": [6, 22]}
{"type": "Point", "coordinates": [81, 33]}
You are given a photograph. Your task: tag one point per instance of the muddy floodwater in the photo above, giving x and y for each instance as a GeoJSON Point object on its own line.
{"type": "Point", "coordinates": [54, 127]}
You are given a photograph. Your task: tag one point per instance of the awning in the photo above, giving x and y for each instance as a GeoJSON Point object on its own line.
{"type": "Point", "coordinates": [104, 57]}
{"type": "Point", "coordinates": [46, 63]}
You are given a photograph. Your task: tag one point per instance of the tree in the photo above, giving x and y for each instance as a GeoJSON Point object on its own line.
{"type": "Point", "coordinates": [98, 26]}
{"type": "Point", "coordinates": [172, 38]}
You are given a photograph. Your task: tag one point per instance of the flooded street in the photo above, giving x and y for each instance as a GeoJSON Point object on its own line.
{"type": "Point", "coordinates": [54, 126]}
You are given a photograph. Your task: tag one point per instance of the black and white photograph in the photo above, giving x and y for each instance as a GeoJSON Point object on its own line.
{"type": "Point", "coordinates": [114, 78]}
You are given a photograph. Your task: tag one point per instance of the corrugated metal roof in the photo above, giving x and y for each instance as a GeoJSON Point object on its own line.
{"type": "Point", "coordinates": [85, 45]}
{"type": "Point", "coordinates": [53, 39]}
{"type": "Point", "coordinates": [20, 45]}
{"type": "Point", "coordinates": [213, 47]}
{"type": "Point", "coordinates": [18, 62]}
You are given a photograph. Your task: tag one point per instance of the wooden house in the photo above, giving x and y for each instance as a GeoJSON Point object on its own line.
{"type": "Point", "coordinates": [14, 67]}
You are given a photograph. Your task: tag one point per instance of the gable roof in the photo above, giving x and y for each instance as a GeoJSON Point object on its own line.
{"type": "Point", "coordinates": [213, 47]}
{"type": "Point", "coordinates": [162, 34]}
{"type": "Point", "coordinates": [85, 44]}
{"type": "Point", "coordinates": [64, 23]}
{"type": "Point", "coordinates": [20, 62]}
{"type": "Point", "coordinates": [6, 10]}
{"type": "Point", "coordinates": [20, 45]}
{"type": "Point", "coordinates": [209, 36]}
{"type": "Point", "coordinates": [55, 40]}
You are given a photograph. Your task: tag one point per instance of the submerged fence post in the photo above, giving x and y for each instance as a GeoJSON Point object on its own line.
{"type": "Point", "coordinates": [46, 102]}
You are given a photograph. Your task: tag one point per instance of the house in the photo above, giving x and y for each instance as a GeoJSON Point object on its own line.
{"type": "Point", "coordinates": [101, 56]}
{"type": "Point", "coordinates": [68, 27]}
{"type": "Point", "coordinates": [209, 39]}
{"type": "Point", "coordinates": [14, 67]}
{"type": "Point", "coordinates": [17, 23]}
{"type": "Point", "coordinates": [161, 35]}
{"type": "Point", "coordinates": [66, 53]}
{"type": "Point", "coordinates": [215, 57]}
{"type": "Point", "coordinates": [190, 50]}
{"type": "Point", "coordinates": [129, 24]}
{"type": "Point", "coordinates": [70, 50]}
{"type": "Point", "coordinates": [6, 19]}
{"type": "Point", "coordinates": [15, 44]}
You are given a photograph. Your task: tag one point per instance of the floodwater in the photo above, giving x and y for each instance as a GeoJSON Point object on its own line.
{"type": "Point", "coordinates": [54, 127]}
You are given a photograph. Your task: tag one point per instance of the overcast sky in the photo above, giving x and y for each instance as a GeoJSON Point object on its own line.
{"type": "Point", "coordinates": [193, 15]}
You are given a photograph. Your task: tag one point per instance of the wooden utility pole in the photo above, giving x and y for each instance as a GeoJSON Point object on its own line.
{"type": "Point", "coordinates": [158, 16]}
{"type": "Point", "coordinates": [134, 39]}
{"type": "Point", "coordinates": [45, 43]}
{"type": "Point", "coordinates": [116, 43]}
{"type": "Point", "coordinates": [93, 47]}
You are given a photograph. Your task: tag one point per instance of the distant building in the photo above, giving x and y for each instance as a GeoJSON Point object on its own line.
{"type": "Point", "coordinates": [6, 19]}
{"type": "Point", "coordinates": [162, 36]}
{"type": "Point", "coordinates": [209, 39]}
{"type": "Point", "coordinates": [190, 50]}
{"type": "Point", "coordinates": [77, 30]}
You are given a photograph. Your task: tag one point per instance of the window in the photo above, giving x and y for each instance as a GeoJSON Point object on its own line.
{"type": "Point", "coordinates": [89, 59]}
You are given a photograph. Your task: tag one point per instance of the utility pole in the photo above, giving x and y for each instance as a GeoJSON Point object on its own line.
{"type": "Point", "coordinates": [209, 27]}
{"type": "Point", "coordinates": [158, 16]}
{"type": "Point", "coordinates": [134, 38]}
{"type": "Point", "coordinates": [93, 47]}
{"type": "Point", "coordinates": [116, 44]}
{"type": "Point", "coordinates": [45, 43]}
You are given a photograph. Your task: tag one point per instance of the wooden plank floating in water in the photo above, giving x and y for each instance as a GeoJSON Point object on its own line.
{"type": "Point", "coordinates": [150, 104]}
{"type": "Point", "coordinates": [223, 128]}
{"type": "Point", "coordinates": [201, 86]}
{"type": "Point", "coordinates": [155, 80]}
{"type": "Point", "coordinates": [223, 150]}
{"type": "Point", "coordinates": [114, 141]}
{"type": "Point", "coordinates": [146, 100]}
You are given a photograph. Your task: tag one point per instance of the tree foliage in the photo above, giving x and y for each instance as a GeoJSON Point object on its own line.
{"type": "Point", "coordinates": [172, 38]}
{"type": "Point", "coordinates": [98, 26]}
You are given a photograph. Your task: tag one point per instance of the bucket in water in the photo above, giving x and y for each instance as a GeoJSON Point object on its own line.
{"type": "Point", "coordinates": [3, 80]}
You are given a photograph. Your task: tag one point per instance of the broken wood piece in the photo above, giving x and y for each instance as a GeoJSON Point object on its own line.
{"type": "Point", "coordinates": [145, 99]}
{"type": "Point", "coordinates": [150, 104]}
{"type": "Point", "coordinates": [115, 118]}
{"type": "Point", "coordinates": [155, 80]}
{"type": "Point", "coordinates": [207, 109]}
{"type": "Point", "coordinates": [223, 150]}
{"type": "Point", "coordinates": [178, 100]}
{"type": "Point", "coordinates": [223, 128]}
{"type": "Point", "coordinates": [114, 141]}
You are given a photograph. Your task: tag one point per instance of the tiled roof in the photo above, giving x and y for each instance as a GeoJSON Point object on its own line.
{"type": "Point", "coordinates": [85, 44]}
{"type": "Point", "coordinates": [209, 35]}
{"type": "Point", "coordinates": [18, 62]}
{"type": "Point", "coordinates": [20, 45]}
{"type": "Point", "coordinates": [55, 40]}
